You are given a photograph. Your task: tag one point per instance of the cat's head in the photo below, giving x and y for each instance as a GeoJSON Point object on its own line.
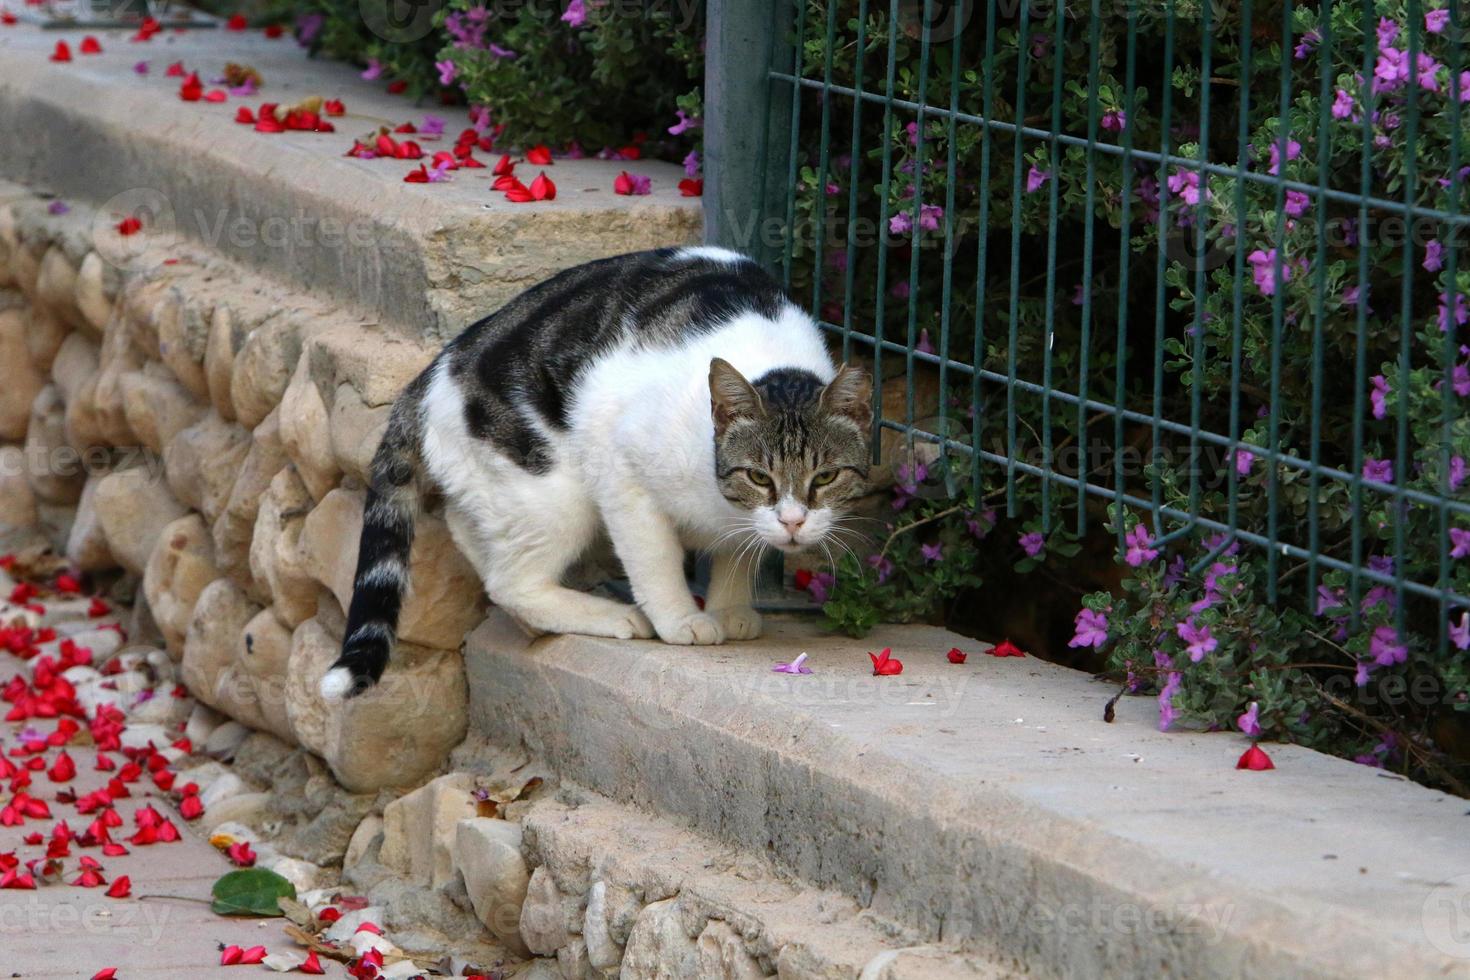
{"type": "Point", "coordinates": [790, 450]}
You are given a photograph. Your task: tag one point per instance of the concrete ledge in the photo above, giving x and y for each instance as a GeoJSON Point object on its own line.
{"type": "Point", "coordinates": [431, 257]}
{"type": "Point", "coordinates": [989, 807]}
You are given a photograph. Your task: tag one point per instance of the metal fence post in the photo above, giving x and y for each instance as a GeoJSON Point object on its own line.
{"type": "Point", "coordinates": [744, 168]}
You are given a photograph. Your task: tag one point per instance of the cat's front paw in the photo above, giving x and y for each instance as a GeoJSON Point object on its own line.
{"type": "Point", "coordinates": [695, 629]}
{"type": "Point", "coordinates": [740, 622]}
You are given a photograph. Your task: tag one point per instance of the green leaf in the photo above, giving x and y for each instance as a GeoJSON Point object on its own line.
{"type": "Point", "coordinates": [251, 891]}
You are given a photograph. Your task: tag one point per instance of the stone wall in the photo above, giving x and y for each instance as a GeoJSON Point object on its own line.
{"type": "Point", "coordinates": [170, 417]}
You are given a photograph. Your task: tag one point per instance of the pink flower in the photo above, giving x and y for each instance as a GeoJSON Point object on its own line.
{"type": "Point", "coordinates": [1243, 460]}
{"type": "Point", "coordinates": [447, 70]}
{"type": "Point", "coordinates": [1435, 21]}
{"type": "Point", "coordinates": [1197, 639]}
{"type": "Point", "coordinates": [1263, 268]}
{"type": "Point", "coordinates": [1033, 543]}
{"type": "Point", "coordinates": [1379, 470]}
{"type": "Point", "coordinates": [685, 123]}
{"type": "Point", "coordinates": [1139, 552]}
{"type": "Point", "coordinates": [1460, 539]}
{"type": "Point", "coordinates": [900, 223]}
{"type": "Point", "coordinates": [1457, 472]}
{"type": "Point", "coordinates": [1296, 203]}
{"type": "Point", "coordinates": [1035, 179]}
{"type": "Point", "coordinates": [1379, 395]}
{"type": "Point", "coordinates": [691, 164]}
{"type": "Point", "coordinates": [1115, 120]}
{"type": "Point", "coordinates": [1172, 683]}
{"type": "Point", "coordinates": [1460, 634]}
{"type": "Point", "coordinates": [1293, 150]}
{"type": "Point", "coordinates": [576, 14]}
{"type": "Point", "coordinates": [932, 552]}
{"type": "Point", "coordinates": [1385, 648]}
{"type": "Point", "coordinates": [1092, 630]}
{"type": "Point", "coordinates": [1185, 184]}
{"type": "Point", "coordinates": [1250, 722]}
{"type": "Point", "coordinates": [1461, 312]}
{"type": "Point", "coordinates": [1343, 105]}
{"type": "Point", "coordinates": [373, 70]}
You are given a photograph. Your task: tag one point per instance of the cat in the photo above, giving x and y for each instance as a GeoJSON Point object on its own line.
{"type": "Point", "coordinates": [669, 399]}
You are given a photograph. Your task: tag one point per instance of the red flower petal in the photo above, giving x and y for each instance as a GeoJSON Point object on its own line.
{"type": "Point", "coordinates": [216, 95]}
{"type": "Point", "coordinates": [106, 973]}
{"type": "Point", "coordinates": [63, 770]}
{"type": "Point", "coordinates": [691, 187]}
{"type": "Point", "coordinates": [191, 808]}
{"type": "Point", "coordinates": [230, 955]}
{"type": "Point", "coordinates": [884, 664]}
{"type": "Point", "coordinates": [273, 31]}
{"type": "Point", "coordinates": [175, 70]}
{"type": "Point", "coordinates": [244, 115]}
{"type": "Point", "coordinates": [312, 965]}
{"type": "Point", "coordinates": [62, 52]}
{"type": "Point", "coordinates": [333, 107]}
{"type": "Point", "coordinates": [623, 184]}
{"type": "Point", "coordinates": [504, 166]}
{"type": "Point", "coordinates": [802, 578]}
{"type": "Point", "coordinates": [1255, 758]}
{"type": "Point", "coordinates": [240, 854]}
{"type": "Point", "coordinates": [129, 226]}
{"type": "Point", "coordinates": [253, 955]}
{"type": "Point", "coordinates": [419, 176]}
{"type": "Point", "coordinates": [398, 87]}
{"type": "Point", "coordinates": [329, 914]}
{"type": "Point", "coordinates": [8, 19]}
{"type": "Point", "coordinates": [120, 888]}
{"type": "Point", "coordinates": [112, 849]}
{"type": "Point", "coordinates": [956, 655]}
{"type": "Point", "coordinates": [98, 608]}
{"type": "Point", "coordinates": [90, 45]}
{"type": "Point", "coordinates": [539, 155]}
{"type": "Point", "coordinates": [192, 89]}
{"type": "Point", "coordinates": [1005, 648]}
{"type": "Point", "coordinates": [542, 188]}
{"type": "Point", "coordinates": [236, 23]}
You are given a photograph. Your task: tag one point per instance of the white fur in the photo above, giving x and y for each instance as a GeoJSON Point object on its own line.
{"type": "Point", "coordinates": [336, 683]}
{"type": "Point", "coordinates": [636, 462]}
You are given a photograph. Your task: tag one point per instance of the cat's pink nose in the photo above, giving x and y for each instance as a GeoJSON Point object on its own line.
{"type": "Point", "coordinates": [792, 520]}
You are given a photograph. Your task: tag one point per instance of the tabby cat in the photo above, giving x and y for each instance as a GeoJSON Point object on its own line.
{"type": "Point", "coordinates": [670, 400]}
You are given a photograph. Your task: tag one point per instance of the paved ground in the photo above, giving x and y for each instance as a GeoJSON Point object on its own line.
{"type": "Point", "coordinates": [164, 928]}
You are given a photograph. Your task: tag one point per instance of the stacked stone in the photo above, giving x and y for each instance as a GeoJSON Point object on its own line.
{"type": "Point", "coordinates": [174, 419]}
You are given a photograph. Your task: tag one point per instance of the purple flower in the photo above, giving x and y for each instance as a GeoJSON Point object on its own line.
{"type": "Point", "coordinates": [1461, 313]}
{"type": "Point", "coordinates": [1040, 45]}
{"type": "Point", "coordinates": [431, 126]}
{"type": "Point", "coordinates": [480, 118]}
{"type": "Point", "coordinates": [1293, 150]}
{"type": "Point", "coordinates": [1461, 540]}
{"type": "Point", "coordinates": [1035, 178]}
{"type": "Point", "coordinates": [932, 552]}
{"type": "Point", "coordinates": [1328, 599]}
{"type": "Point", "coordinates": [308, 26]}
{"type": "Point", "coordinates": [58, 207]}
{"type": "Point", "coordinates": [820, 586]}
{"type": "Point", "coordinates": [141, 68]}
{"type": "Point", "coordinates": [797, 666]}
{"type": "Point", "coordinates": [691, 164]}
{"type": "Point", "coordinates": [1380, 470]}
{"type": "Point", "coordinates": [1388, 32]}
{"type": "Point", "coordinates": [503, 54]}
{"type": "Point", "coordinates": [373, 70]}
{"type": "Point", "coordinates": [925, 345]}
{"type": "Point", "coordinates": [1167, 712]}
{"type": "Point", "coordinates": [1435, 21]}
{"type": "Point", "coordinates": [685, 123]}
{"type": "Point", "coordinates": [882, 565]}
{"type": "Point", "coordinates": [1392, 70]}
{"type": "Point", "coordinates": [1185, 184]}
{"type": "Point", "coordinates": [1379, 396]}
{"type": "Point", "coordinates": [1250, 722]}
{"type": "Point", "coordinates": [1433, 255]}
{"type": "Point", "coordinates": [900, 224]}
{"type": "Point", "coordinates": [1263, 268]}
{"type": "Point", "coordinates": [1033, 543]}
{"type": "Point", "coordinates": [1457, 472]}
{"type": "Point", "coordinates": [1092, 630]}
{"type": "Point", "coordinates": [1297, 203]}
{"type": "Point", "coordinates": [1115, 120]}
{"type": "Point", "coordinates": [1460, 634]}
{"type": "Point", "coordinates": [576, 14]}
{"type": "Point", "coordinates": [1139, 551]}
{"type": "Point", "coordinates": [1343, 105]}
{"type": "Point", "coordinates": [1197, 639]}
{"type": "Point", "coordinates": [447, 70]}
{"type": "Point", "coordinates": [1308, 44]}
{"type": "Point", "coordinates": [929, 215]}
{"type": "Point", "coordinates": [1243, 460]}
{"type": "Point", "coordinates": [641, 184]}
{"type": "Point", "coordinates": [439, 172]}
{"type": "Point", "coordinates": [1385, 647]}
{"type": "Point", "coordinates": [900, 289]}
{"type": "Point", "coordinates": [1360, 676]}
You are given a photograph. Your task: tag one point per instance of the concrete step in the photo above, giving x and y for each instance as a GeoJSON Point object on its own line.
{"type": "Point", "coordinates": [988, 806]}
{"type": "Point", "coordinates": [430, 258]}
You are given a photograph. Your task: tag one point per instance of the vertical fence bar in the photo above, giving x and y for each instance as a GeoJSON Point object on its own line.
{"type": "Point", "coordinates": [744, 42]}
{"type": "Point", "coordinates": [1023, 46]}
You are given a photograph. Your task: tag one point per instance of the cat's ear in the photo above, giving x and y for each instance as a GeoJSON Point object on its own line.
{"type": "Point", "coordinates": [731, 397]}
{"type": "Point", "coordinates": [850, 394]}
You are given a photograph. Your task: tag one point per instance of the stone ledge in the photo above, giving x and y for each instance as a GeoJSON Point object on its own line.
{"type": "Point", "coordinates": [988, 806]}
{"type": "Point", "coordinates": [431, 258]}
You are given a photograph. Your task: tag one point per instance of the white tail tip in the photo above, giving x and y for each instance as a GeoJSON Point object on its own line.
{"type": "Point", "coordinates": [336, 683]}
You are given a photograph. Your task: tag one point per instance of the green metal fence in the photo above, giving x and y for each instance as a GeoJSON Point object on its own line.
{"type": "Point", "coordinates": [1207, 242]}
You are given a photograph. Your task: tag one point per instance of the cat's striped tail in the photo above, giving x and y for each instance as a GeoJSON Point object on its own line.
{"type": "Point", "coordinates": [382, 557]}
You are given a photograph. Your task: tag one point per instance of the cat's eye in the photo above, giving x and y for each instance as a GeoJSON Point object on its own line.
{"type": "Point", "coordinates": [758, 478]}
{"type": "Point", "coordinates": [823, 478]}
